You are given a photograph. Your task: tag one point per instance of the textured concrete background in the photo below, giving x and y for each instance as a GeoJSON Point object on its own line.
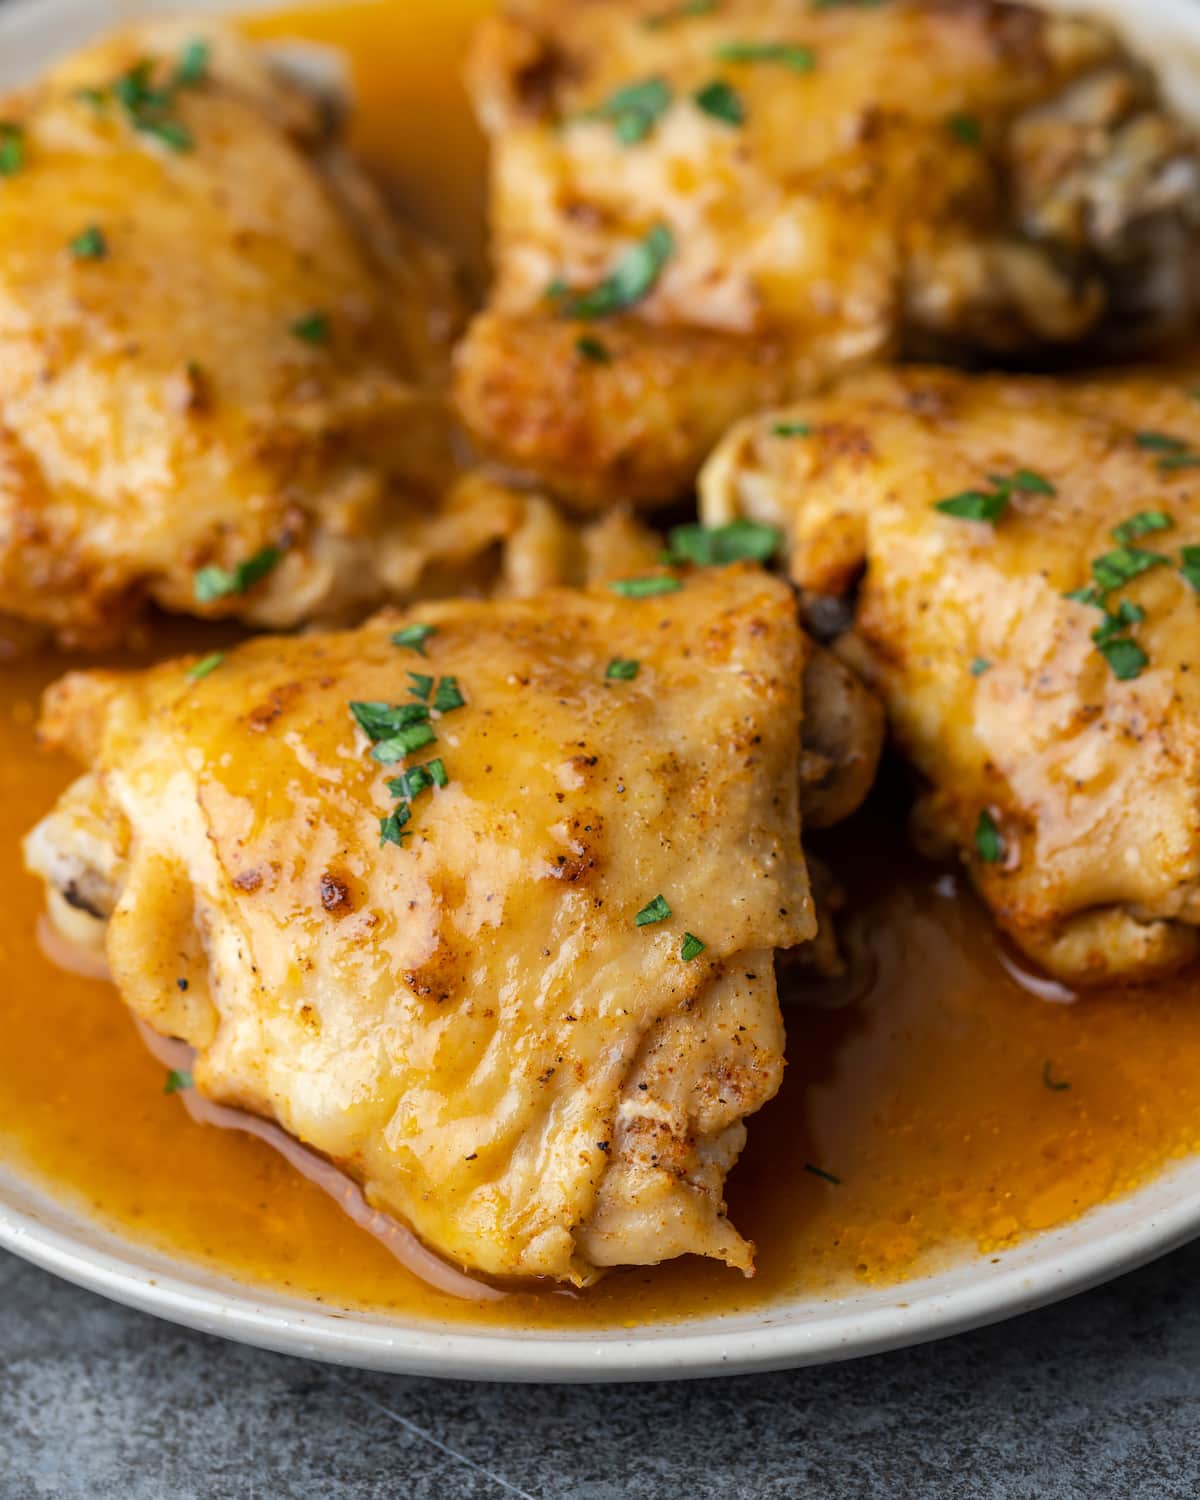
{"type": "Point", "coordinates": [1094, 1398]}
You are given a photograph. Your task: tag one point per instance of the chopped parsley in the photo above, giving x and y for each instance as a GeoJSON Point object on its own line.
{"type": "Point", "coordinates": [645, 588]}
{"type": "Point", "coordinates": [1117, 568]}
{"type": "Point", "coordinates": [311, 328]}
{"type": "Point", "coordinates": [205, 665]}
{"type": "Point", "coordinates": [413, 637]}
{"type": "Point", "coordinates": [1125, 657]}
{"type": "Point", "coordinates": [1173, 452]}
{"type": "Point", "coordinates": [622, 669]}
{"type": "Point", "coordinates": [965, 128]}
{"type": "Point", "coordinates": [1141, 524]}
{"type": "Point", "coordinates": [714, 546]}
{"type": "Point", "coordinates": [412, 737]}
{"type": "Point", "coordinates": [690, 948]}
{"type": "Point", "coordinates": [988, 843]}
{"type": "Point", "coordinates": [214, 582]}
{"type": "Point", "coordinates": [679, 13]}
{"type": "Point", "coordinates": [655, 911]}
{"type": "Point", "coordinates": [12, 148]}
{"type": "Point", "coordinates": [634, 276]}
{"type": "Point", "coordinates": [634, 110]}
{"type": "Point", "coordinates": [177, 1080]}
{"type": "Point", "coordinates": [1190, 568]}
{"type": "Point", "coordinates": [591, 349]}
{"type": "Point", "coordinates": [447, 697]}
{"type": "Point", "coordinates": [147, 106]}
{"type": "Point", "coordinates": [421, 687]}
{"type": "Point", "coordinates": [822, 1174]}
{"type": "Point", "coordinates": [1126, 614]}
{"type": "Point", "coordinates": [791, 429]}
{"type": "Point", "coordinates": [379, 721]}
{"type": "Point", "coordinates": [192, 67]}
{"type": "Point", "coordinates": [90, 244]}
{"type": "Point", "coordinates": [391, 828]}
{"type": "Point", "coordinates": [722, 101]}
{"type": "Point", "coordinates": [798, 59]}
{"type": "Point", "coordinates": [419, 779]}
{"type": "Point", "coordinates": [979, 666]}
{"type": "Point", "coordinates": [990, 505]}
{"type": "Point", "coordinates": [1056, 1085]}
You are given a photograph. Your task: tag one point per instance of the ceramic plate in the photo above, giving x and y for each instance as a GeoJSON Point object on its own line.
{"type": "Point", "coordinates": [976, 1290]}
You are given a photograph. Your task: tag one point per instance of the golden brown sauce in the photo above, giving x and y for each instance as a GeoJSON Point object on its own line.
{"type": "Point", "coordinates": [933, 1100]}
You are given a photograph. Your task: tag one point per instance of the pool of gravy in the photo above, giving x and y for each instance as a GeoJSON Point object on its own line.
{"type": "Point", "coordinates": [943, 1111]}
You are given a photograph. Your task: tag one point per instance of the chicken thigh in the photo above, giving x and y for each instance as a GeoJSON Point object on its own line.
{"type": "Point", "coordinates": [702, 208]}
{"type": "Point", "coordinates": [1026, 556]}
{"type": "Point", "coordinates": [479, 901]}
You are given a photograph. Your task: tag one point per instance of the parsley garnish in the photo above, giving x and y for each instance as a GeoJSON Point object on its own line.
{"type": "Point", "coordinates": [714, 546]}
{"type": "Point", "coordinates": [799, 59]}
{"type": "Point", "coordinates": [634, 276]}
{"type": "Point", "coordinates": [990, 505]}
{"type": "Point", "coordinates": [422, 685]}
{"type": "Point", "coordinates": [1125, 657]}
{"type": "Point", "coordinates": [311, 328]}
{"type": "Point", "coordinates": [177, 1081]}
{"type": "Point", "coordinates": [419, 779]}
{"type": "Point", "coordinates": [205, 665]}
{"type": "Point", "coordinates": [592, 350]}
{"type": "Point", "coordinates": [90, 244]}
{"type": "Point", "coordinates": [679, 13]}
{"type": "Point", "coordinates": [622, 669]}
{"type": "Point", "coordinates": [1191, 566]}
{"type": "Point", "coordinates": [147, 107]}
{"type": "Point", "coordinates": [645, 588]}
{"type": "Point", "coordinates": [822, 1174]}
{"type": "Point", "coordinates": [1115, 569]}
{"type": "Point", "coordinates": [965, 128]}
{"type": "Point", "coordinates": [791, 429]}
{"type": "Point", "coordinates": [414, 637]}
{"type": "Point", "coordinates": [216, 582]}
{"type": "Point", "coordinates": [192, 67]}
{"type": "Point", "coordinates": [1056, 1085]}
{"type": "Point", "coordinates": [402, 743]}
{"type": "Point", "coordinates": [379, 721]}
{"type": "Point", "coordinates": [448, 698]}
{"type": "Point", "coordinates": [391, 828]}
{"type": "Point", "coordinates": [655, 911]}
{"type": "Point", "coordinates": [723, 102]}
{"type": "Point", "coordinates": [12, 148]}
{"type": "Point", "coordinates": [635, 109]}
{"type": "Point", "coordinates": [1141, 524]}
{"type": "Point", "coordinates": [1174, 452]}
{"type": "Point", "coordinates": [988, 843]}
{"type": "Point", "coordinates": [979, 666]}
{"type": "Point", "coordinates": [690, 948]}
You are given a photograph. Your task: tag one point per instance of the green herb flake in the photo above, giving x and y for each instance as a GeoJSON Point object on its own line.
{"type": "Point", "coordinates": [1089, 595]}
{"type": "Point", "coordinates": [391, 828]}
{"type": "Point", "coordinates": [690, 948]}
{"type": "Point", "coordinates": [591, 349]}
{"type": "Point", "coordinates": [622, 669]}
{"type": "Point", "coordinates": [422, 685]}
{"type": "Point", "coordinates": [1055, 1085]}
{"type": "Point", "coordinates": [447, 697]}
{"type": "Point", "coordinates": [205, 665]}
{"type": "Point", "coordinates": [634, 277]}
{"type": "Point", "coordinates": [437, 770]}
{"type": "Point", "coordinates": [215, 582]}
{"type": "Point", "coordinates": [979, 666]}
{"type": "Point", "coordinates": [1125, 657]}
{"type": "Point", "coordinates": [1160, 442]}
{"type": "Point", "coordinates": [791, 429]}
{"type": "Point", "coordinates": [1028, 481]}
{"type": "Point", "coordinates": [715, 546]}
{"type": "Point", "coordinates": [12, 148]}
{"type": "Point", "coordinates": [380, 721]}
{"type": "Point", "coordinates": [974, 505]}
{"type": "Point", "coordinates": [965, 128]}
{"type": "Point", "coordinates": [634, 111]}
{"type": "Point", "coordinates": [1117, 568]}
{"type": "Point", "coordinates": [413, 637]}
{"type": "Point", "coordinates": [90, 244]}
{"type": "Point", "coordinates": [401, 744]}
{"type": "Point", "coordinates": [798, 59]}
{"type": "Point", "coordinates": [722, 101]}
{"type": "Point", "coordinates": [988, 843]}
{"type": "Point", "coordinates": [192, 67]}
{"type": "Point", "coordinates": [178, 1079]}
{"type": "Point", "coordinates": [1125, 615]}
{"type": "Point", "coordinates": [655, 911]}
{"type": "Point", "coordinates": [1141, 524]}
{"type": "Point", "coordinates": [311, 328]}
{"type": "Point", "coordinates": [679, 13]}
{"type": "Point", "coordinates": [822, 1174]}
{"type": "Point", "coordinates": [645, 588]}
{"type": "Point", "coordinates": [1190, 568]}
{"type": "Point", "coordinates": [419, 779]}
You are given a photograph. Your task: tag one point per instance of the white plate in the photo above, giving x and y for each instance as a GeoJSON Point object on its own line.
{"type": "Point", "coordinates": [977, 1290]}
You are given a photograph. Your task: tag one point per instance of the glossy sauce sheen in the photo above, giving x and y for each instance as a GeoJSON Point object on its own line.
{"type": "Point", "coordinates": [956, 1112]}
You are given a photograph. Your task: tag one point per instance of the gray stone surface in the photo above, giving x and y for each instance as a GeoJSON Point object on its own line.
{"type": "Point", "coordinates": [1097, 1397]}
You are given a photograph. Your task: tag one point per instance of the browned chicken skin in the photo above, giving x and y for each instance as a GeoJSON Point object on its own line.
{"type": "Point", "coordinates": [785, 191]}
{"type": "Point", "coordinates": [1038, 647]}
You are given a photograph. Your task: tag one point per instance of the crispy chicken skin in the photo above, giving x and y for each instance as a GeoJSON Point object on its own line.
{"type": "Point", "coordinates": [212, 344]}
{"type": "Point", "coordinates": [926, 175]}
{"type": "Point", "coordinates": [1087, 761]}
{"type": "Point", "coordinates": [473, 1025]}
